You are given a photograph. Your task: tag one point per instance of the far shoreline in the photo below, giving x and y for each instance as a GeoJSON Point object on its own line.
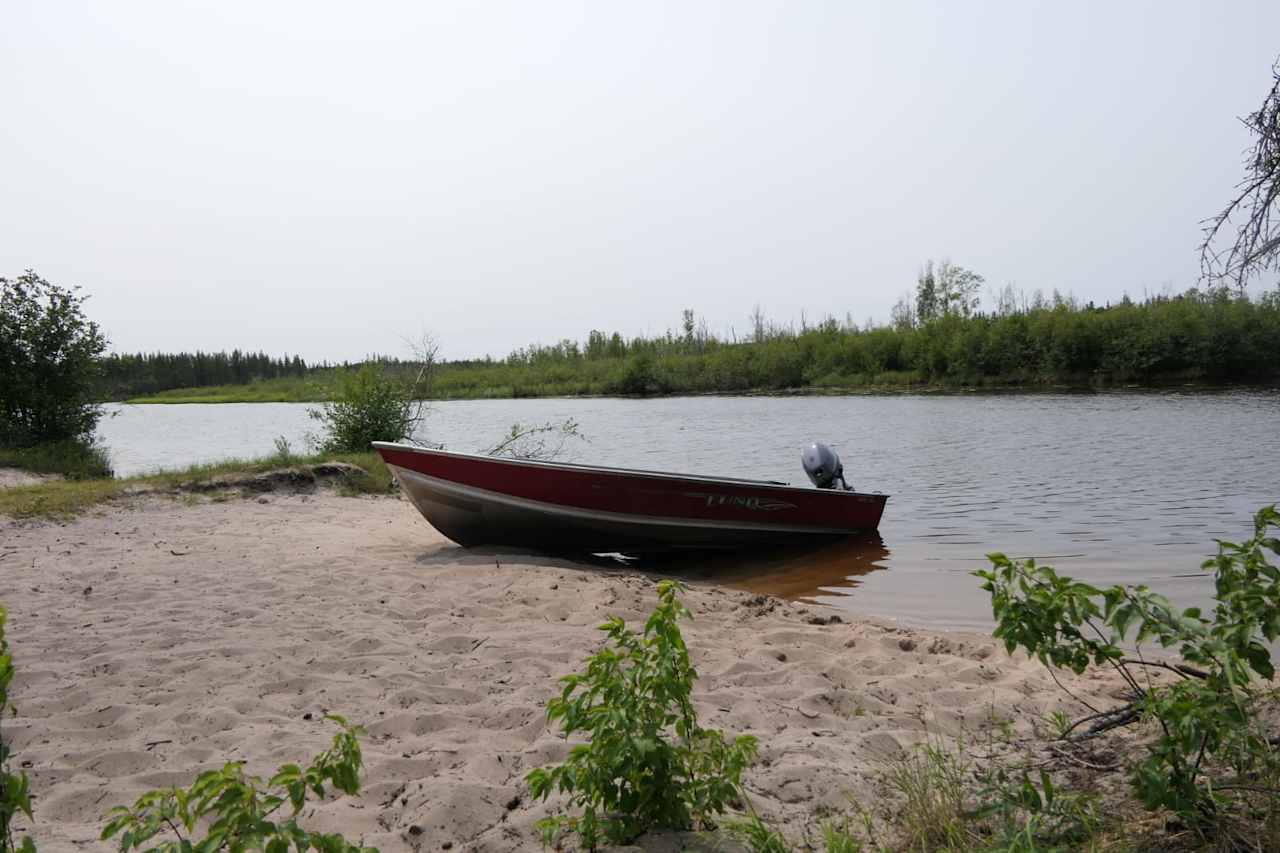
{"type": "Point", "coordinates": [1174, 385]}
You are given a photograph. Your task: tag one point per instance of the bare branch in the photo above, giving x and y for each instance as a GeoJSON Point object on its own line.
{"type": "Point", "coordinates": [425, 350]}
{"type": "Point", "coordinates": [1256, 247]}
{"type": "Point", "coordinates": [544, 442]}
{"type": "Point", "coordinates": [1064, 689]}
{"type": "Point", "coordinates": [1180, 668]}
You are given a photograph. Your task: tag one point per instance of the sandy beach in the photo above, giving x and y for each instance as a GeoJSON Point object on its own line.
{"type": "Point", "coordinates": [155, 639]}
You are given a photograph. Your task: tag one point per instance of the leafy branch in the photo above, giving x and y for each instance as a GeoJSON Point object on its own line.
{"type": "Point", "coordinates": [15, 791]}
{"type": "Point", "coordinates": [235, 809]}
{"type": "Point", "coordinates": [544, 441]}
{"type": "Point", "coordinates": [1210, 713]}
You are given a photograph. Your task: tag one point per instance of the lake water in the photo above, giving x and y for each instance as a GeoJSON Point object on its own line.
{"type": "Point", "coordinates": [1112, 487]}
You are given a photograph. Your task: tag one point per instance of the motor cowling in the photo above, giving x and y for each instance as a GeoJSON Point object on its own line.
{"type": "Point", "coordinates": [822, 464]}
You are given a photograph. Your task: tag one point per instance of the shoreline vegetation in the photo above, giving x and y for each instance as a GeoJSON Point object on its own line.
{"type": "Point", "coordinates": [1207, 338]}
{"type": "Point", "coordinates": [352, 474]}
{"type": "Point", "coordinates": [320, 393]}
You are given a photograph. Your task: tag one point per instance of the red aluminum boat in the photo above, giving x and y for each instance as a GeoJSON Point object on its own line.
{"type": "Point", "coordinates": [487, 500]}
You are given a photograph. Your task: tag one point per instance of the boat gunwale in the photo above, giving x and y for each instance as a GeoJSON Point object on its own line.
{"type": "Point", "coordinates": [630, 472]}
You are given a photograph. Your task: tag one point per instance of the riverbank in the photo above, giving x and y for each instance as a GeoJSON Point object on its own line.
{"type": "Point", "coordinates": [24, 494]}
{"type": "Point", "coordinates": [323, 389]}
{"type": "Point", "coordinates": [157, 638]}
{"type": "Point", "coordinates": [270, 391]}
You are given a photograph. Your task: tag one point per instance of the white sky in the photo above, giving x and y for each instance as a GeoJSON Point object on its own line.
{"type": "Point", "coordinates": [328, 179]}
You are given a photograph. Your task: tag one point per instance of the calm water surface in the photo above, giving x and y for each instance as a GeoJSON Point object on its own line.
{"type": "Point", "coordinates": [1111, 487]}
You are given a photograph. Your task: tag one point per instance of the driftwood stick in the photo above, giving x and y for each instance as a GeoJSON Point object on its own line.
{"type": "Point", "coordinates": [1180, 668]}
{"type": "Point", "coordinates": [1102, 722]}
{"type": "Point", "coordinates": [1254, 788]}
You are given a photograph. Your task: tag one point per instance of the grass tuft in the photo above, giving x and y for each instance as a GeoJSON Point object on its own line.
{"type": "Point", "coordinates": [59, 499]}
{"type": "Point", "coordinates": [934, 785]}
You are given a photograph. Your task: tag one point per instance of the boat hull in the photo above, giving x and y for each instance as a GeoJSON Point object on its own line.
{"type": "Point", "coordinates": [481, 500]}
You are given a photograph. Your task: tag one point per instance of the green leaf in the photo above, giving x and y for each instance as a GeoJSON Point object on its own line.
{"type": "Point", "coordinates": [1260, 659]}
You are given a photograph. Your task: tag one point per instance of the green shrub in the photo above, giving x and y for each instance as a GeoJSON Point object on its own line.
{"type": "Point", "coordinates": [638, 377]}
{"type": "Point", "coordinates": [1210, 716]}
{"type": "Point", "coordinates": [15, 791]}
{"type": "Point", "coordinates": [648, 763]}
{"type": "Point", "coordinates": [229, 809]}
{"type": "Point", "coordinates": [75, 459]}
{"type": "Point", "coordinates": [369, 405]}
{"type": "Point", "coordinates": [48, 363]}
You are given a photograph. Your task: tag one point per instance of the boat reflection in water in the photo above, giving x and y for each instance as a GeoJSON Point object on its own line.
{"type": "Point", "coordinates": [803, 573]}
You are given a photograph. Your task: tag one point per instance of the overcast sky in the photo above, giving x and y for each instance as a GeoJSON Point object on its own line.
{"type": "Point", "coordinates": [329, 179]}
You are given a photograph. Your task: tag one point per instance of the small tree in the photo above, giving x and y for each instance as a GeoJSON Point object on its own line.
{"type": "Point", "coordinates": [648, 763]}
{"type": "Point", "coordinates": [49, 363]}
{"type": "Point", "coordinates": [928, 301]}
{"type": "Point", "coordinates": [759, 325]}
{"type": "Point", "coordinates": [373, 405]}
{"type": "Point", "coordinates": [958, 289]}
{"type": "Point", "coordinates": [903, 316]}
{"type": "Point", "coordinates": [370, 405]}
{"type": "Point", "coordinates": [947, 289]}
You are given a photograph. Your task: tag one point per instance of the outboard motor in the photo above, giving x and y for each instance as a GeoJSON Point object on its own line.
{"type": "Point", "coordinates": [823, 467]}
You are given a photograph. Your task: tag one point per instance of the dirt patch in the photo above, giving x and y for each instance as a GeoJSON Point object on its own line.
{"type": "Point", "coordinates": [299, 478]}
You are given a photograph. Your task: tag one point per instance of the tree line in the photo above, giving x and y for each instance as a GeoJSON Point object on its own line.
{"type": "Point", "coordinates": [1214, 336]}
{"type": "Point", "coordinates": [127, 375]}
{"type": "Point", "coordinates": [939, 335]}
